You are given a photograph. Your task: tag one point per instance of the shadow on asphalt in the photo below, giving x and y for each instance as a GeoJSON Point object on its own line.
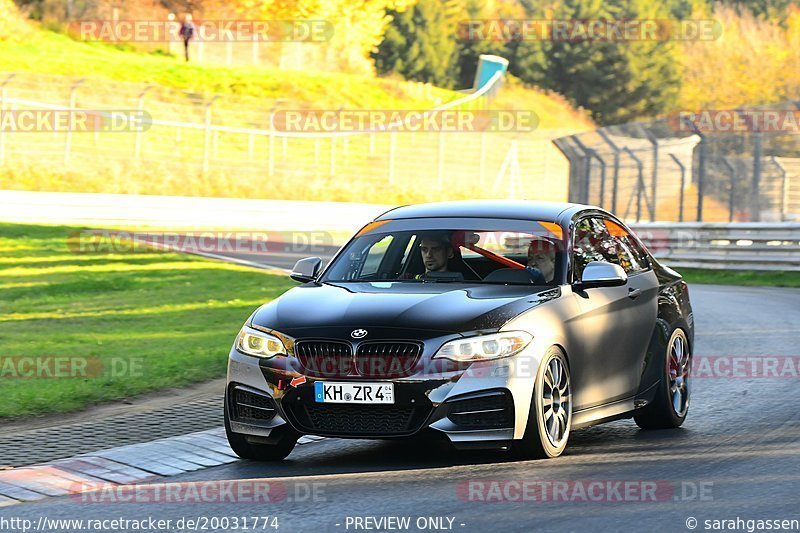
{"type": "Point", "coordinates": [347, 456]}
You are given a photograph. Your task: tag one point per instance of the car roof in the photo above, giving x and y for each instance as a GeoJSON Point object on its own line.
{"type": "Point", "coordinates": [511, 209]}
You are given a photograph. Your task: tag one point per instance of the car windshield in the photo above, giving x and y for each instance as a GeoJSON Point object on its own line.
{"type": "Point", "coordinates": [530, 254]}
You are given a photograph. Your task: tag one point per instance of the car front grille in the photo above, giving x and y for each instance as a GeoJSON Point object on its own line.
{"type": "Point", "coordinates": [387, 359]}
{"type": "Point", "coordinates": [357, 420]}
{"type": "Point", "coordinates": [489, 411]}
{"type": "Point", "coordinates": [325, 358]}
{"type": "Point", "coordinates": [373, 359]}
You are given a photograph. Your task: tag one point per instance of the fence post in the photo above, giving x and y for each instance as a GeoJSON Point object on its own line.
{"type": "Point", "coordinates": [683, 183]}
{"type": "Point", "coordinates": [3, 96]}
{"type": "Point", "coordinates": [614, 186]}
{"type": "Point", "coordinates": [701, 175]}
{"type": "Point", "coordinates": [271, 159]}
{"type": "Point", "coordinates": [784, 188]}
{"type": "Point", "coordinates": [332, 163]}
{"type": "Point", "coordinates": [602, 162]}
{"type": "Point", "coordinates": [731, 204]}
{"type": "Point", "coordinates": [575, 158]}
{"type": "Point", "coordinates": [391, 156]}
{"type": "Point", "coordinates": [68, 137]}
{"type": "Point", "coordinates": [639, 184]}
{"type": "Point", "coordinates": [482, 161]}
{"type": "Point", "coordinates": [587, 170]}
{"type": "Point", "coordinates": [654, 141]}
{"type": "Point", "coordinates": [139, 108]}
{"type": "Point", "coordinates": [207, 136]}
{"type": "Point", "coordinates": [755, 208]}
{"type": "Point", "coordinates": [440, 160]}
{"type": "Point", "coordinates": [701, 165]}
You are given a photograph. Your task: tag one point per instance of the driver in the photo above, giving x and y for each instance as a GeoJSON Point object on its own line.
{"type": "Point", "coordinates": [436, 250]}
{"type": "Point", "coordinates": [541, 260]}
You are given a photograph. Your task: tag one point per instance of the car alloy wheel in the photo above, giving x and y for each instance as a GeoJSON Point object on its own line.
{"type": "Point", "coordinates": [678, 367]}
{"type": "Point", "coordinates": [556, 401]}
{"type": "Point", "coordinates": [550, 417]}
{"type": "Point", "coordinates": [670, 405]}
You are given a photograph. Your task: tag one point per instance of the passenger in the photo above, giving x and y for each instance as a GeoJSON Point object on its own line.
{"type": "Point", "coordinates": [542, 261]}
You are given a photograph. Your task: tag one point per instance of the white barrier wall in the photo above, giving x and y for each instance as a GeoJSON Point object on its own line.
{"type": "Point", "coordinates": [104, 210]}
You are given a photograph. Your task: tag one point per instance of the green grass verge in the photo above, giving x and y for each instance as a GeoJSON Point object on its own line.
{"type": "Point", "coordinates": [741, 277]}
{"type": "Point", "coordinates": [172, 316]}
{"type": "Point", "coordinates": [49, 52]}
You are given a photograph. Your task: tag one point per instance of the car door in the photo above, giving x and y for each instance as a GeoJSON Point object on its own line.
{"type": "Point", "coordinates": [616, 323]}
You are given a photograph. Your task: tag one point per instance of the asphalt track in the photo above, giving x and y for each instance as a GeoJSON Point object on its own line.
{"type": "Point", "coordinates": [737, 456]}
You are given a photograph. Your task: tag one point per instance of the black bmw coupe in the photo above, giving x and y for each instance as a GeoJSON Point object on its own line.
{"type": "Point", "coordinates": [498, 324]}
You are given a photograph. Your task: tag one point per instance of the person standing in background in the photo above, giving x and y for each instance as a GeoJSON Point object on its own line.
{"type": "Point", "coordinates": [187, 32]}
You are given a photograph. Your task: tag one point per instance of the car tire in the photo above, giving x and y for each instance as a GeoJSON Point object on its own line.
{"type": "Point", "coordinates": [671, 402]}
{"type": "Point", "coordinates": [551, 404]}
{"type": "Point", "coordinates": [281, 443]}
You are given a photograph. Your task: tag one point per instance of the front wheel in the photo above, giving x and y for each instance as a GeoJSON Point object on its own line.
{"type": "Point", "coordinates": [671, 403]}
{"type": "Point", "coordinates": [276, 447]}
{"type": "Point", "coordinates": [550, 416]}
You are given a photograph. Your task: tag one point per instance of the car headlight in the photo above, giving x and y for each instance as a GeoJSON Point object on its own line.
{"type": "Point", "coordinates": [259, 344]}
{"type": "Point", "coordinates": [484, 347]}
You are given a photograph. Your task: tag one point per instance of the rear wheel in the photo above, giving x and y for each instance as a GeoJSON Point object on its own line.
{"type": "Point", "coordinates": [671, 403]}
{"type": "Point", "coordinates": [550, 416]}
{"type": "Point", "coordinates": [277, 446]}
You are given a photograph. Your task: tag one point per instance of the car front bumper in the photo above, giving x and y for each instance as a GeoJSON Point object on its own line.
{"type": "Point", "coordinates": [485, 405]}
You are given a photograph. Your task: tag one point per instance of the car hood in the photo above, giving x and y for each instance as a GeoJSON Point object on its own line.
{"type": "Point", "coordinates": [443, 307]}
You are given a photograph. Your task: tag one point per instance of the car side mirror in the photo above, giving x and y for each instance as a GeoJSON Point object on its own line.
{"type": "Point", "coordinates": [601, 274]}
{"type": "Point", "coordinates": [306, 270]}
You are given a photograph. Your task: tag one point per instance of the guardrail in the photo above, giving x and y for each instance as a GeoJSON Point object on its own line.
{"type": "Point", "coordinates": [737, 246]}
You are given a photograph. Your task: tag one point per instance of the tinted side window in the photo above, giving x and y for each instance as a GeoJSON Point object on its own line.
{"type": "Point", "coordinates": [592, 243]}
{"type": "Point", "coordinates": [631, 257]}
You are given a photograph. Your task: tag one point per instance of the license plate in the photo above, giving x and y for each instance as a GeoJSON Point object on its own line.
{"type": "Point", "coordinates": [327, 392]}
